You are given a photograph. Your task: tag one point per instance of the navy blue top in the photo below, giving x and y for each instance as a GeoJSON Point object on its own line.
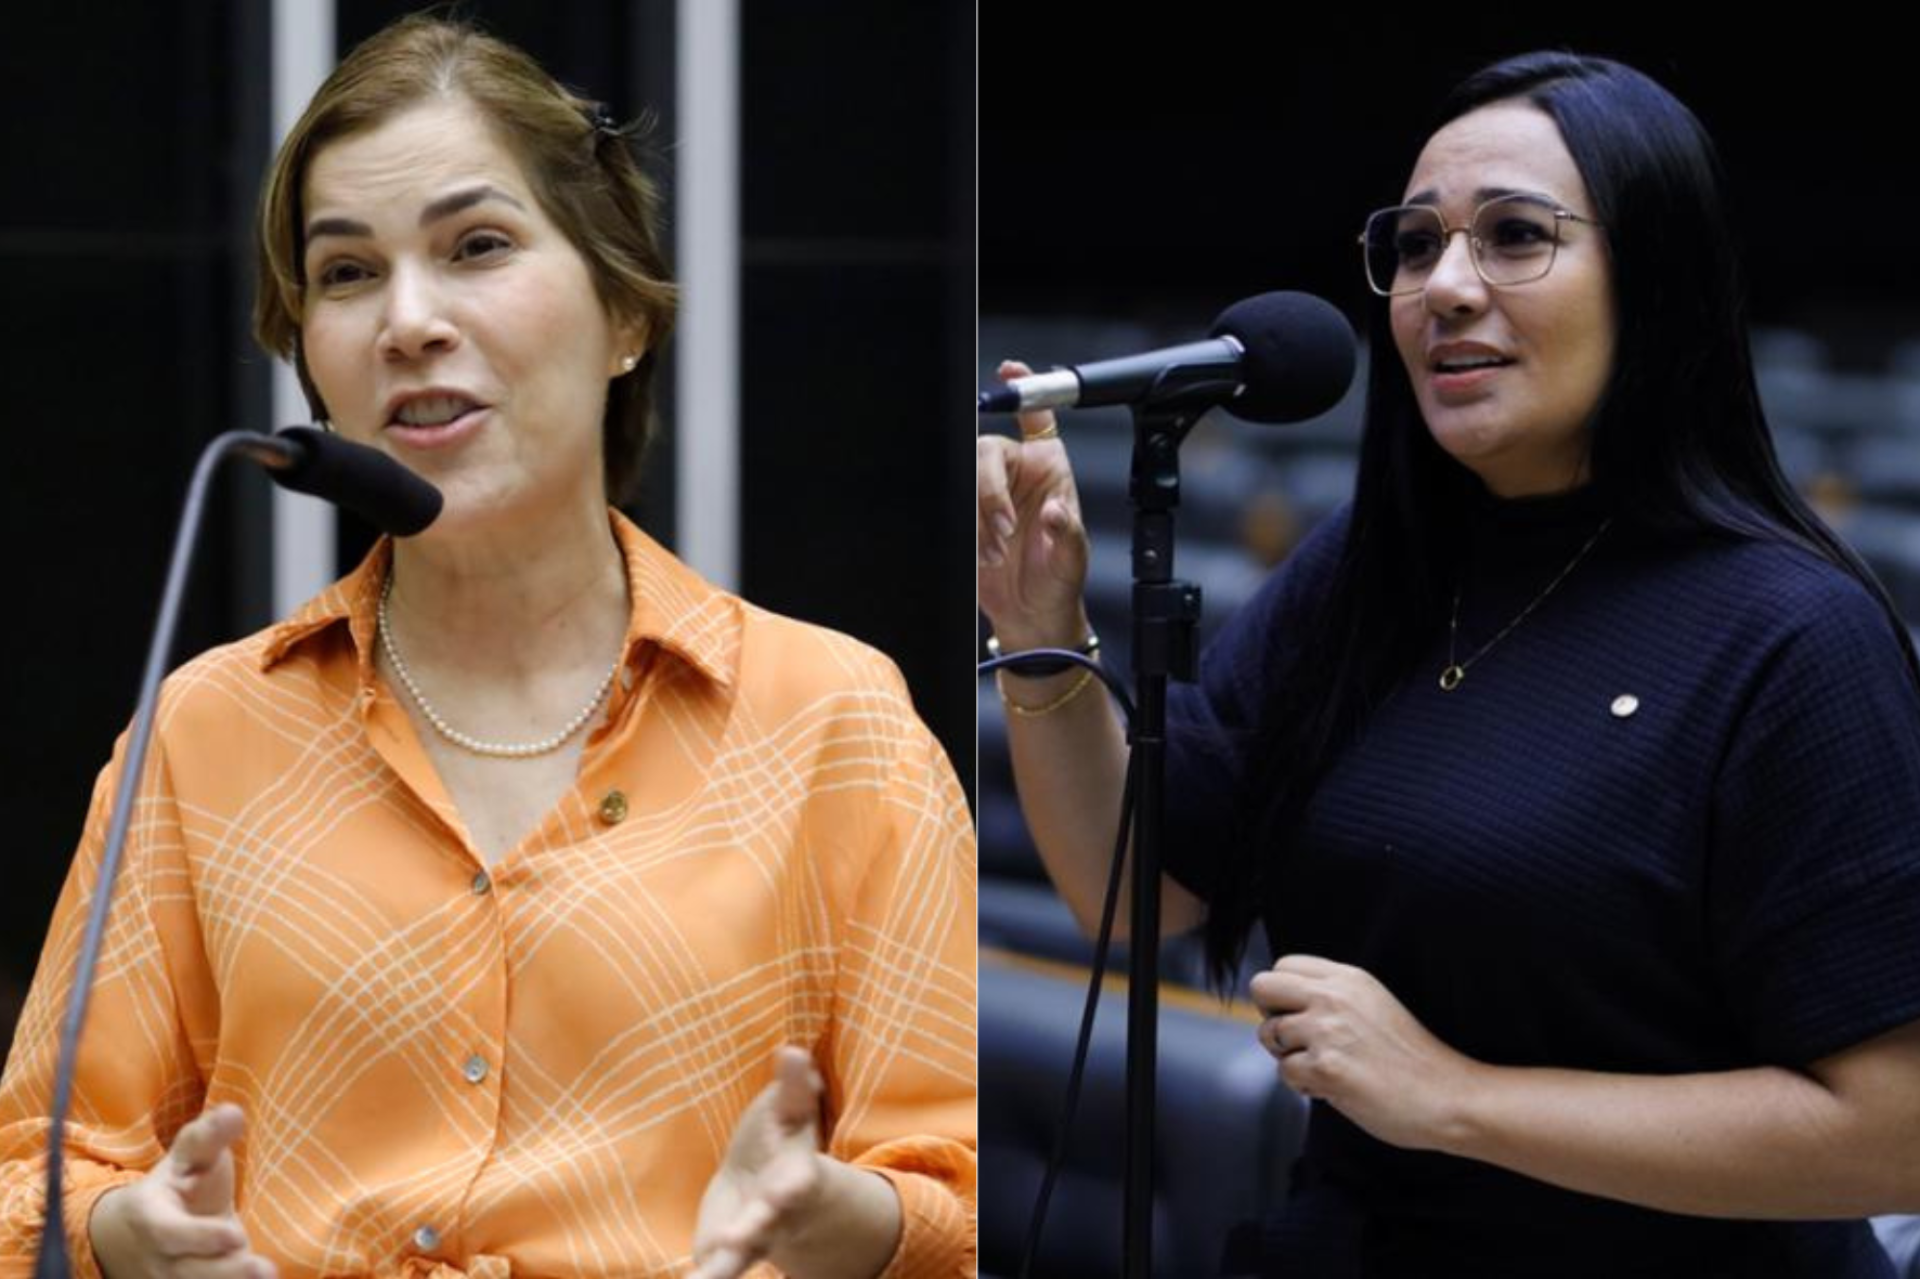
{"type": "Point", "coordinates": [1728, 876]}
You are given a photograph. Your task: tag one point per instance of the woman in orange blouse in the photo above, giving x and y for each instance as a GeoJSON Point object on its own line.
{"type": "Point", "coordinates": [524, 904]}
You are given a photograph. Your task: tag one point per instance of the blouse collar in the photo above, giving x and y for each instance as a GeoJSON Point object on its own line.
{"type": "Point", "coordinates": [672, 606]}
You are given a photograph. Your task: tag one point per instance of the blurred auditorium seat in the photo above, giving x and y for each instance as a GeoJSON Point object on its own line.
{"type": "Point", "coordinates": [1227, 1129]}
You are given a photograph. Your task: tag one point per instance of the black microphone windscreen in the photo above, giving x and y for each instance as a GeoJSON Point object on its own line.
{"type": "Point", "coordinates": [364, 480]}
{"type": "Point", "coordinates": [1299, 360]}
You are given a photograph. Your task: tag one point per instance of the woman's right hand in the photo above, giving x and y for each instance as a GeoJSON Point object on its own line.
{"type": "Point", "coordinates": [179, 1220]}
{"type": "Point", "coordinates": [1033, 548]}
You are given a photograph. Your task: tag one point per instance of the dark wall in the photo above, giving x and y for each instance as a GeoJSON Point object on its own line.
{"type": "Point", "coordinates": [1239, 150]}
{"type": "Point", "coordinates": [858, 316]}
{"type": "Point", "coordinates": [118, 348]}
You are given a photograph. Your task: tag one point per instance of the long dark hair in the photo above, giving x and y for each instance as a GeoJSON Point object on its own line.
{"type": "Point", "coordinates": [1679, 445]}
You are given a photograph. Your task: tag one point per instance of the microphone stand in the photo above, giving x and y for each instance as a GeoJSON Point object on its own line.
{"type": "Point", "coordinates": [52, 1261]}
{"type": "Point", "coordinates": [1165, 617]}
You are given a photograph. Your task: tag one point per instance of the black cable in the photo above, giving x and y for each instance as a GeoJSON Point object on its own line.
{"type": "Point", "coordinates": [1108, 910]}
{"type": "Point", "coordinates": [1083, 1046]}
{"type": "Point", "coordinates": [1053, 659]}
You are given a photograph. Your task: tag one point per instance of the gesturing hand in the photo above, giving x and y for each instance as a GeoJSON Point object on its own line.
{"type": "Point", "coordinates": [178, 1220]}
{"type": "Point", "coordinates": [765, 1188]}
{"type": "Point", "coordinates": [1033, 548]}
{"type": "Point", "coordinates": [1342, 1037]}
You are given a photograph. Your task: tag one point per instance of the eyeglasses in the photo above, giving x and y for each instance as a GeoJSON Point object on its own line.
{"type": "Point", "coordinates": [1514, 240]}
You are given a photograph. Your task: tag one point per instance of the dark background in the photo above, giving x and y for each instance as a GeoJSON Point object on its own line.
{"type": "Point", "coordinates": [135, 139]}
{"type": "Point", "coordinates": [1174, 167]}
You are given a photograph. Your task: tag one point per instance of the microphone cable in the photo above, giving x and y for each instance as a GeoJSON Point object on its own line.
{"type": "Point", "coordinates": [1050, 658]}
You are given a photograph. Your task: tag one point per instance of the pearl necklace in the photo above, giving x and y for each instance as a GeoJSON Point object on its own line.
{"type": "Point", "coordinates": [509, 750]}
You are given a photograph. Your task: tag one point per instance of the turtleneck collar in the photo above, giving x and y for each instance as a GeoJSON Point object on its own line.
{"type": "Point", "coordinates": [1581, 506]}
{"type": "Point", "coordinates": [1523, 535]}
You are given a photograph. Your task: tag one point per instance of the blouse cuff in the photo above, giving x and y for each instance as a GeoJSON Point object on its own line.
{"type": "Point", "coordinates": [77, 1206]}
{"type": "Point", "coordinates": [936, 1229]}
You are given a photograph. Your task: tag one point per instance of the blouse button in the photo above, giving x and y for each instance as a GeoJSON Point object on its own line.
{"type": "Point", "coordinates": [476, 1069]}
{"type": "Point", "coordinates": [613, 809]}
{"type": "Point", "coordinates": [1625, 705]}
{"type": "Point", "coordinates": [482, 884]}
{"type": "Point", "coordinates": [426, 1239]}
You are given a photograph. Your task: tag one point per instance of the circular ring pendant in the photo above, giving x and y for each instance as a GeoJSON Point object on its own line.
{"type": "Point", "coordinates": [1451, 677]}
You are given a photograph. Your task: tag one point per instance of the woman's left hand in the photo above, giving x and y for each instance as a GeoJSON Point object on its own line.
{"type": "Point", "coordinates": [771, 1176]}
{"type": "Point", "coordinates": [778, 1198]}
{"type": "Point", "coordinates": [1342, 1037]}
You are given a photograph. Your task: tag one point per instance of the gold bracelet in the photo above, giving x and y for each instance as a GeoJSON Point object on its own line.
{"type": "Point", "coordinates": [1035, 712]}
{"type": "Point", "coordinates": [1044, 433]}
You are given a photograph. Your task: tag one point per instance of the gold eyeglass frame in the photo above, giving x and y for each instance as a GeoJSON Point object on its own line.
{"type": "Point", "coordinates": [1475, 244]}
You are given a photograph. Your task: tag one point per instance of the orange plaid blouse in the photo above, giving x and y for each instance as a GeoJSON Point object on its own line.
{"type": "Point", "coordinates": [532, 1070]}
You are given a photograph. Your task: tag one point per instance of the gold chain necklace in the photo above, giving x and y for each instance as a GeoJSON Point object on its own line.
{"type": "Point", "coordinates": [1456, 671]}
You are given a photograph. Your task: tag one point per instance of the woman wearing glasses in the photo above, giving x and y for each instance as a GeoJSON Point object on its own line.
{"type": "Point", "coordinates": [1573, 768]}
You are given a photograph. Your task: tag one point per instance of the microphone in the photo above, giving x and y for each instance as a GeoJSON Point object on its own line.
{"type": "Point", "coordinates": [307, 461]}
{"type": "Point", "coordinates": [364, 480]}
{"type": "Point", "coordinates": [1276, 357]}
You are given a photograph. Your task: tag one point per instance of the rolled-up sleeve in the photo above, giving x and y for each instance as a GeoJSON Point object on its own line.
{"type": "Point", "coordinates": [902, 1072]}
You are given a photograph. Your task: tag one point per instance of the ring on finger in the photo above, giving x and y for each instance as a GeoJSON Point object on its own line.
{"type": "Point", "coordinates": [1049, 432]}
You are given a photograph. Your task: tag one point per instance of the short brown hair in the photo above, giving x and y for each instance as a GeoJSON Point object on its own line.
{"type": "Point", "coordinates": [580, 166]}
